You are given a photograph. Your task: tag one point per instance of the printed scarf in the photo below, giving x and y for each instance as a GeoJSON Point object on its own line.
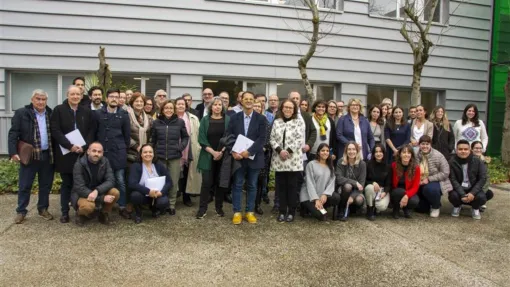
{"type": "Point", "coordinates": [36, 153]}
{"type": "Point", "coordinates": [322, 124]}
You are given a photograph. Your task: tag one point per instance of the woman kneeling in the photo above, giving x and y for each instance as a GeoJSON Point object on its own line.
{"type": "Point", "coordinates": [318, 192]}
{"type": "Point", "coordinates": [140, 173]}
{"type": "Point", "coordinates": [378, 182]}
{"type": "Point", "coordinates": [350, 177]}
{"type": "Point", "coordinates": [405, 182]}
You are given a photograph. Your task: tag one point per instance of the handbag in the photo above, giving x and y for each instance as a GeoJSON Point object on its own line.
{"type": "Point", "coordinates": [25, 151]}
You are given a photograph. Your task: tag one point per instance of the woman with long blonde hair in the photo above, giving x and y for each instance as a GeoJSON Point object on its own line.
{"type": "Point", "coordinates": [443, 139]}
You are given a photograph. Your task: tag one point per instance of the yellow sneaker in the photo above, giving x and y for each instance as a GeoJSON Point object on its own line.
{"type": "Point", "coordinates": [250, 217]}
{"type": "Point", "coordinates": [237, 219]}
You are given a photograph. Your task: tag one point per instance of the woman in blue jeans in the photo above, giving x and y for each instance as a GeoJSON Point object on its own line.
{"type": "Point", "coordinates": [434, 177]}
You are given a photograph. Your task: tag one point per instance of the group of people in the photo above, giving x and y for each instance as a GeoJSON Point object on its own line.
{"type": "Point", "coordinates": [321, 158]}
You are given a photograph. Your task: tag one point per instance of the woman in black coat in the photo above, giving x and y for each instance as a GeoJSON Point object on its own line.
{"type": "Point", "coordinates": [443, 138]}
{"type": "Point", "coordinates": [141, 195]}
{"type": "Point", "coordinates": [66, 118]}
{"type": "Point", "coordinates": [169, 139]}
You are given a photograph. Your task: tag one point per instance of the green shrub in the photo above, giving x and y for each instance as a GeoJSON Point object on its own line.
{"type": "Point", "coordinates": [9, 178]}
{"type": "Point", "coordinates": [498, 172]}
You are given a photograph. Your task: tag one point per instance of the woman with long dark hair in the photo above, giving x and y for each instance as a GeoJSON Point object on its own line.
{"type": "Point", "coordinates": [287, 160]}
{"type": "Point", "coordinates": [397, 132]}
{"type": "Point", "coordinates": [470, 127]}
{"type": "Point", "coordinates": [405, 182]}
{"type": "Point", "coordinates": [149, 107]}
{"type": "Point", "coordinates": [325, 126]}
{"type": "Point", "coordinates": [378, 182]}
{"type": "Point", "coordinates": [443, 139]}
{"type": "Point", "coordinates": [213, 127]}
{"type": "Point", "coordinates": [477, 150]}
{"type": "Point", "coordinates": [377, 123]}
{"type": "Point", "coordinates": [332, 111]}
{"type": "Point", "coordinates": [139, 174]}
{"type": "Point", "coordinates": [419, 127]}
{"type": "Point", "coordinates": [351, 174]}
{"type": "Point", "coordinates": [318, 192]}
{"type": "Point", "coordinates": [169, 139]}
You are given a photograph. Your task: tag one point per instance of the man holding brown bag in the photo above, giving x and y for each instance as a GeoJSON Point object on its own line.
{"type": "Point", "coordinates": [30, 145]}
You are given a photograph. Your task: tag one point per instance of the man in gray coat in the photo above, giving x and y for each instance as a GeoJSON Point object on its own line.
{"type": "Point", "coordinates": [93, 189]}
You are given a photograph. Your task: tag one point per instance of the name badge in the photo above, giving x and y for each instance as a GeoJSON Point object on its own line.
{"type": "Point", "coordinates": [465, 184]}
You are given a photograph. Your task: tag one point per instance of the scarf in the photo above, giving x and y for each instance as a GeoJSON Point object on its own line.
{"type": "Point", "coordinates": [37, 152]}
{"type": "Point", "coordinates": [185, 152]}
{"type": "Point", "coordinates": [322, 124]}
{"type": "Point", "coordinates": [141, 122]}
{"type": "Point", "coordinates": [146, 175]}
{"type": "Point", "coordinates": [424, 166]}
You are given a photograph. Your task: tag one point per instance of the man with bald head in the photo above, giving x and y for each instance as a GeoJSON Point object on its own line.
{"type": "Point", "coordinates": [273, 104]}
{"type": "Point", "coordinates": [68, 117]}
{"type": "Point", "coordinates": [207, 96]}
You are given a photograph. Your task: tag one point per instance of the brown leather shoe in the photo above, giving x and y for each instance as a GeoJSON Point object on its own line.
{"type": "Point", "coordinates": [46, 215]}
{"type": "Point", "coordinates": [104, 218]}
{"type": "Point", "coordinates": [124, 213]}
{"type": "Point", "coordinates": [20, 218]}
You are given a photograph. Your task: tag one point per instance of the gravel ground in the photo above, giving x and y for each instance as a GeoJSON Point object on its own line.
{"type": "Point", "coordinates": [184, 251]}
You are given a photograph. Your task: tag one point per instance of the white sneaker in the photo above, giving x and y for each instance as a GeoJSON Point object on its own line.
{"type": "Point", "coordinates": [456, 211]}
{"type": "Point", "coordinates": [434, 212]}
{"type": "Point", "coordinates": [483, 208]}
{"type": "Point", "coordinates": [475, 213]}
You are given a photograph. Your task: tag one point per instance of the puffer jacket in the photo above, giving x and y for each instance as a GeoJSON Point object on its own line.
{"type": "Point", "coordinates": [439, 170]}
{"type": "Point", "coordinates": [169, 137]}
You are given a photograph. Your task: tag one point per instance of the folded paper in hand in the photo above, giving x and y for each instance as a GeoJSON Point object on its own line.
{"type": "Point", "coordinates": [75, 138]}
{"type": "Point", "coordinates": [156, 183]}
{"type": "Point", "coordinates": [242, 144]}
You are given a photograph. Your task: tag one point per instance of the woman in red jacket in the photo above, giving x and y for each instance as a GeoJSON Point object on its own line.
{"type": "Point", "coordinates": [405, 183]}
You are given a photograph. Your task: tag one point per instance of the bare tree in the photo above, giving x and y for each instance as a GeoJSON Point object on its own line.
{"type": "Point", "coordinates": [103, 73]}
{"type": "Point", "coordinates": [416, 34]}
{"type": "Point", "coordinates": [322, 24]}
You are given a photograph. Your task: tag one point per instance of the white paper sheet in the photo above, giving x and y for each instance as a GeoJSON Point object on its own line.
{"type": "Point", "coordinates": [156, 183]}
{"type": "Point", "coordinates": [242, 144]}
{"type": "Point", "coordinates": [75, 138]}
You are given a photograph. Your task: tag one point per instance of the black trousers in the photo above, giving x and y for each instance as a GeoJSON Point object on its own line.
{"type": "Point", "coordinates": [65, 192]}
{"type": "Point", "coordinates": [210, 181]}
{"type": "Point", "coordinates": [286, 187]}
{"type": "Point", "coordinates": [182, 184]}
{"type": "Point", "coordinates": [333, 200]}
{"type": "Point", "coordinates": [396, 196]}
{"type": "Point", "coordinates": [138, 199]}
{"type": "Point", "coordinates": [455, 199]}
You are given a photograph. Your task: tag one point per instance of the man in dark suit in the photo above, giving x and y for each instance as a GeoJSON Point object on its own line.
{"type": "Point", "coordinates": [189, 100]}
{"type": "Point", "coordinates": [207, 96]}
{"type": "Point", "coordinates": [253, 126]}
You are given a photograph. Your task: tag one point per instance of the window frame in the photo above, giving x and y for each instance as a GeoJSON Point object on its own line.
{"type": "Point", "coordinates": [338, 4]}
{"type": "Point", "coordinates": [419, 6]}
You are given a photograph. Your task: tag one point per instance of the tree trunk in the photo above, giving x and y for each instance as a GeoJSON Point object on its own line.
{"type": "Point", "coordinates": [303, 61]}
{"type": "Point", "coordinates": [505, 146]}
{"type": "Point", "coordinates": [415, 92]}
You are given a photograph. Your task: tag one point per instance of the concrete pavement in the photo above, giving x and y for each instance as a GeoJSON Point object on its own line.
{"type": "Point", "coordinates": [184, 251]}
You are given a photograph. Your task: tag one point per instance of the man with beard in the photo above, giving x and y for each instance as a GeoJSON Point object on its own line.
{"type": "Point", "coordinates": [96, 97]}
{"type": "Point", "coordinates": [113, 132]}
{"type": "Point", "coordinates": [93, 189]}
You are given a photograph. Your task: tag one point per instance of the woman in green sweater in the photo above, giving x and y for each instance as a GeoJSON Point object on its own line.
{"type": "Point", "coordinates": [212, 128]}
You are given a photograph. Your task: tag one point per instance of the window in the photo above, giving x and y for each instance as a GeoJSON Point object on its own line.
{"type": "Point", "coordinates": [326, 4]}
{"type": "Point", "coordinates": [284, 88]}
{"type": "Point", "coordinates": [232, 87]}
{"type": "Point", "coordinates": [395, 8]}
{"type": "Point", "coordinates": [401, 97]}
{"type": "Point", "coordinates": [23, 84]}
{"type": "Point", "coordinates": [325, 92]}
{"type": "Point", "coordinates": [152, 85]}
{"type": "Point", "coordinates": [257, 88]}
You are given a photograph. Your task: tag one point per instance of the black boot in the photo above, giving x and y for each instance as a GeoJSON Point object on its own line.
{"type": "Point", "coordinates": [371, 213]}
{"type": "Point", "coordinates": [396, 211]}
{"type": "Point", "coordinates": [344, 214]}
{"type": "Point", "coordinates": [407, 212]}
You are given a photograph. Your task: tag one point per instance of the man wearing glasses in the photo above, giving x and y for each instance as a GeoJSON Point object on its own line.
{"type": "Point", "coordinates": [273, 104]}
{"type": "Point", "coordinates": [189, 100]}
{"type": "Point", "coordinates": [207, 96]}
{"type": "Point", "coordinates": [113, 132]}
{"type": "Point", "coordinates": [340, 106]}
